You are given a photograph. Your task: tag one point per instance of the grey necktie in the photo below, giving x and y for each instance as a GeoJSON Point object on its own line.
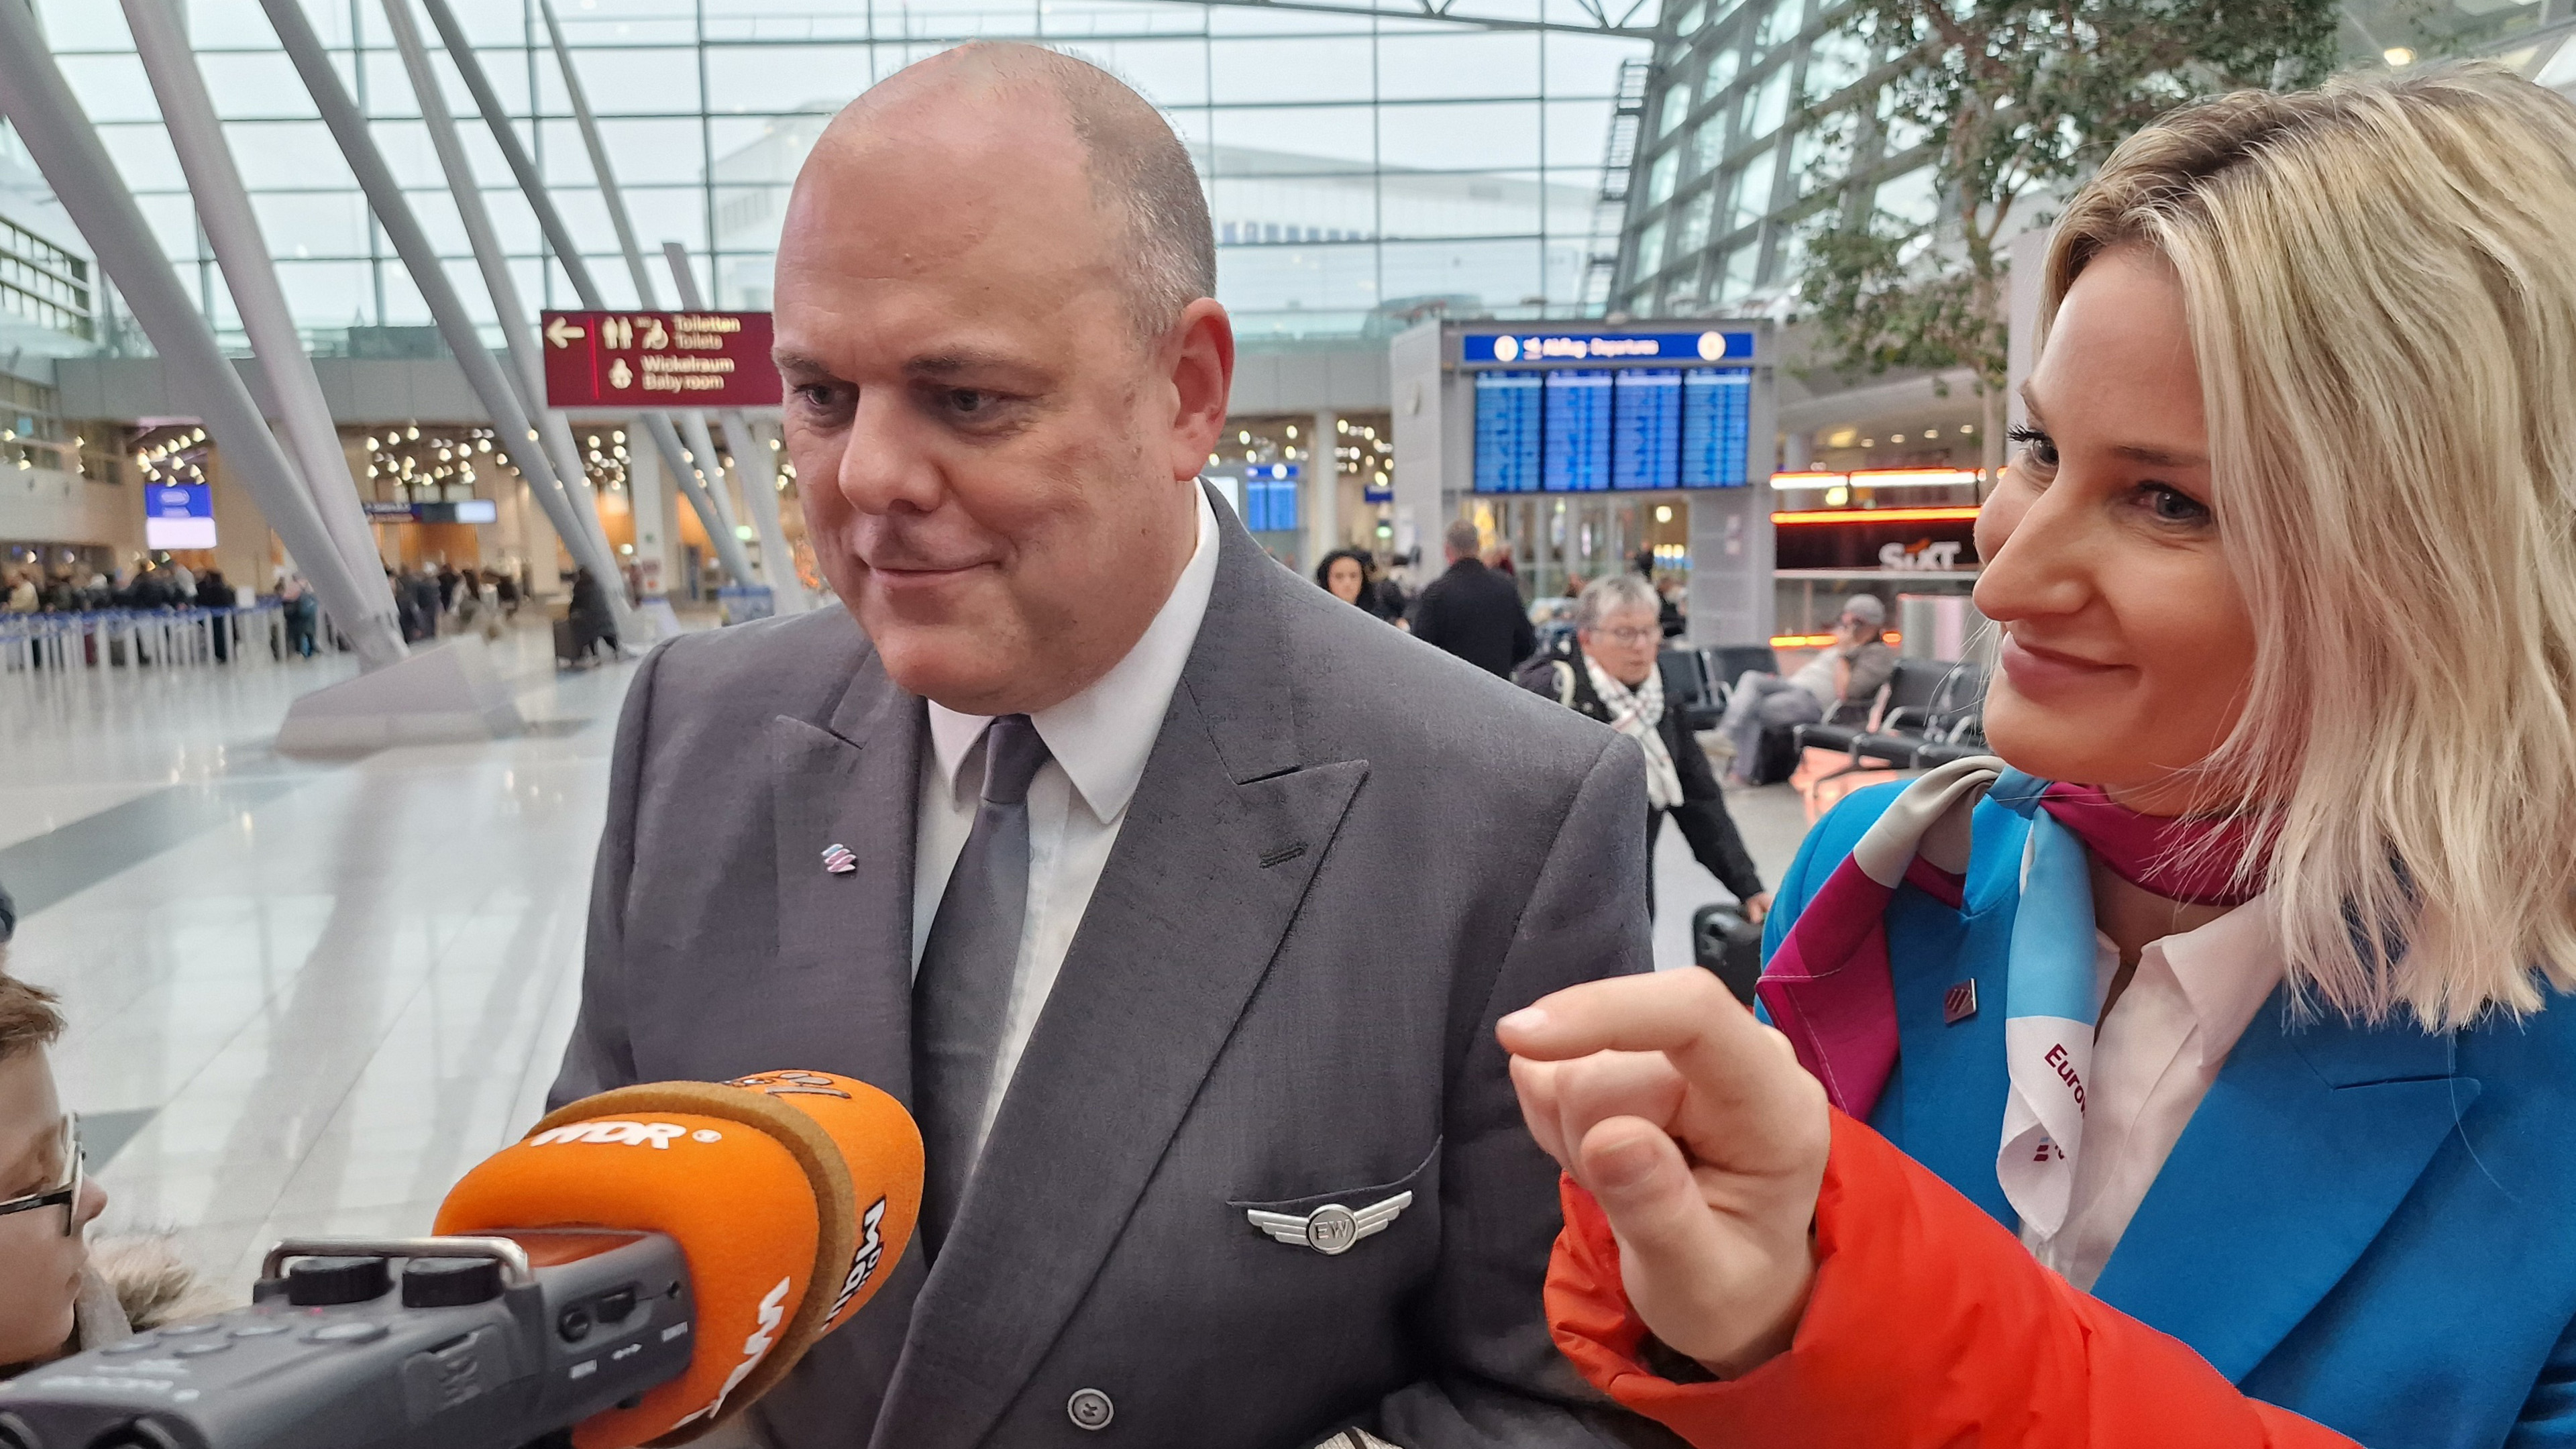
{"type": "Point", "coordinates": [962, 994]}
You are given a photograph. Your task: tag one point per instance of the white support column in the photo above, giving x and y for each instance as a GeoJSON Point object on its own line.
{"type": "Point", "coordinates": [224, 210]}
{"type": "Point", "coordinates": [393, 210]}
{"type": "Point", "coordinates": [1323, 488]}
{"type": "Point", "coordinates": [588, 543]}
{"type": "Point", "coordinates": [67, 149]}
{"type": "Point", "coordinates": [754, 465]}
{"type": "Point", "coordinates": [728, 549]}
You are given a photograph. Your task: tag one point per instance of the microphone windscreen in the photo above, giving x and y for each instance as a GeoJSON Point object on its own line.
{"type": "Point", "coordinates": [881, 1147]}
{"type": "Point", "coordinates": [731, 1193]}
{"type": "Point", "coordinates": [792, 1194]}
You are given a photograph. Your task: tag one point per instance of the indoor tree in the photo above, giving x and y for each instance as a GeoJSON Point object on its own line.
{"type": "Point", "coordinates": [2010, 101]}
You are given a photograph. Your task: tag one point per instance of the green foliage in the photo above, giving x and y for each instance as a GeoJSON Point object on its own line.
{"type": "Point", "coordinates": [2013, 100]}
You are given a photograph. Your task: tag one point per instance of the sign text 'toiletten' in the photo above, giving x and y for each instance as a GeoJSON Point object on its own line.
{"type": "Point", "coordinates": [658, 360]}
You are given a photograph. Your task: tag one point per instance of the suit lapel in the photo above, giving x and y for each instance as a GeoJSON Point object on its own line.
{"type": "Point", "coordinates": [2305, 1145]}
{"type": "Point", "coordinates": [1214, 856]}
{"type": "Point", "coordinates": [849, 782]}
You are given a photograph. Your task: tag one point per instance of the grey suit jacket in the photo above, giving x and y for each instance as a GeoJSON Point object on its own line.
{"type": "Point", "coordinates": [1349, 854]}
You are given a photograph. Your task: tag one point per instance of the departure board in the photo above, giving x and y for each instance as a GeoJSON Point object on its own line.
{"type": "Point", "coordinates": [1507, 432]}
{"type": "Point", "coordinates": [1717, 418]}
{"type": "Point", "coordinates": [1645, 428]}
{"type": "Point", "coordinates": [1576, 441]}
{"type": "Point", "coordinates": [1624, 428]}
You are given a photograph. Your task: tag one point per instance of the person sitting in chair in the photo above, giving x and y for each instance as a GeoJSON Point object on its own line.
{"type": "Point", "coordinates": [1851, 672]}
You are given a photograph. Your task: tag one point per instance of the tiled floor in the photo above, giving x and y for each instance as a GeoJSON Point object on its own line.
{"type": "Point", "coordinates": [305, 996]}
{"type": "Point", "coordinates": [310, 993]}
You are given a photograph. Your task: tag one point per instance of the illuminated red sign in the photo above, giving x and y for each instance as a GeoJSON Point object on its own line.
{"type": "Point", "coordinates": [658, 360]}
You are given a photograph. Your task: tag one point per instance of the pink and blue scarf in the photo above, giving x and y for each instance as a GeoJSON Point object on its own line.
{"type": "Point", "coordinates": [1830, 989]}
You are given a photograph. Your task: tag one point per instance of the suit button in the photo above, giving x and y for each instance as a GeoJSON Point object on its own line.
{"type": "Point", "coordinates": [1090, 1409]}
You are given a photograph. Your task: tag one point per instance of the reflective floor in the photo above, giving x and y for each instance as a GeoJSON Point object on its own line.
{"type": "Point", "coordinates": [306, 995]}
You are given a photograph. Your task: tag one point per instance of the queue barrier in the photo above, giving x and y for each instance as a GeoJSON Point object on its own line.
{"type": "Point", "coordinates": [145, 638]}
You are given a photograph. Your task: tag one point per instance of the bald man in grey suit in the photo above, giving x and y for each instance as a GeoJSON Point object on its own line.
{"type": "Point", "coordinates": [1175, 897]}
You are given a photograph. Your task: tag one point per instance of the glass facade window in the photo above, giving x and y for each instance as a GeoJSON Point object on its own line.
{"type": "Point", "coordinates": [1835, 60]}
{"type": "Point", "coordinates": [1708, 147]}
{"type": "Point", "coordinates": [1650, 250]}
{"type": "Point", "coordinates": [1768, 105]}
{"type": "Point", "coordinates": [1820, 158]}
{"type": "Point", "coordinates": [1676, 106]}
{"type": "Point", "coordinates": [1910, 198]}
{"type": "Point", "coordinates": [1358, 165]}
{"type": "Point", "coordinates": [1897, 134]}
{"type": "Point", "coordinates": [1777, 25]}
{"type": "Point", "coordinates": [1755, 65]}
{"type": "Point", "coordinates": [1692, 234]}
{"type": "Point", "coordinates": [1752, 191]}
{"type": "Point", "coordinates": [1722, 66]}
{"type": "Point", "coordinates": [1659, 181]}
{"type": "Point", "coordinates": [1737, 277]}
{"type": "Point", "coordinates": [43, 284]}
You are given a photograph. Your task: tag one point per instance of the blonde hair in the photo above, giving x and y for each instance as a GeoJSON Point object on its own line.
{"type": "Point", "coordinates": [2380, 285]}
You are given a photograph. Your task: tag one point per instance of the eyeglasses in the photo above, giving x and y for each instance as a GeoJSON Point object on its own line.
{"type": "Point", "coordinates": [67, 1196]}
{"type": "Point", "coordinates": [1626, 636]}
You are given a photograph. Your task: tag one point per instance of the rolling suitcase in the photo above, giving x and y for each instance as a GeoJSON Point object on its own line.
{"type": "Point", "coordinates": [1723, 942]}
{"type": "Point", "coordinates": [568, 643]}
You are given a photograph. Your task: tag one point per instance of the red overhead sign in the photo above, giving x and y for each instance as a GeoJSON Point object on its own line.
{"type": "Point", "coordinates": [658, 360]}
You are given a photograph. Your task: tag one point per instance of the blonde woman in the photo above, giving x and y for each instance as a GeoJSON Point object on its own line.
{"type": "Point", "coordinates": [2221, 1021]}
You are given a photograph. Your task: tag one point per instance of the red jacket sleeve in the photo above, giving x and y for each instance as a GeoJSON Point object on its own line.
{"type": "Point", "coordinates": [1929, 1325]}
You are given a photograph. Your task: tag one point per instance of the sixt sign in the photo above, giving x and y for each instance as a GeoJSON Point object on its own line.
{"type": "Point", "coordinates": [659, 359]}
{"type": "Point", "coordinates": [1522, 349]}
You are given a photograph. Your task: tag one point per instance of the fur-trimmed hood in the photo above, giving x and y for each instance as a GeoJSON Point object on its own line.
{"type": "Point", "coordinates": [134, 1284]}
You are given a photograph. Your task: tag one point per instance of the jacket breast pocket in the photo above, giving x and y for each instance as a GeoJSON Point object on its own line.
{"type": "Point", "coordinates": [1341, 1221]}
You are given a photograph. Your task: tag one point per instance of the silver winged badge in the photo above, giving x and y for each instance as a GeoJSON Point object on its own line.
{"type": "Point", "coordinates": [1331, 1229]}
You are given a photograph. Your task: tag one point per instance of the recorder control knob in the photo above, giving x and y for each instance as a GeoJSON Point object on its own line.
{"type": "Point", "coordinates": [322, 1282]}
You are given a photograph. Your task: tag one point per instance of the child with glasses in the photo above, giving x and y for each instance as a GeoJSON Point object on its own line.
{"type": "Point", "coordinates": [51, 1302]}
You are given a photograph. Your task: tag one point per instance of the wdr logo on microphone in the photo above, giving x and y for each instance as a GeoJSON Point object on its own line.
{"type": "Point", "coordinates": [659, 1135]}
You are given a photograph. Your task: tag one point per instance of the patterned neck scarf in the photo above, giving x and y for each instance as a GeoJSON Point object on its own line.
{"type": "Point", "coordinates": [1635, 713]}
{"type": "Point", "coordinates": [1829, 987]}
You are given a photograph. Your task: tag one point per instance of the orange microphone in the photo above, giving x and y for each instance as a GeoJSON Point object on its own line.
{"type": "Point", "coordinates": [790, 1193]}
{"type": "Point", "coordinates": [638, 1269]}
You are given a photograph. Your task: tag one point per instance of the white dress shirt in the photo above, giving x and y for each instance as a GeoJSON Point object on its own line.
{"type": "Point", "coordinates": [2155, 1054]}
{"type": "Point", "coordinates": [1098, 742]}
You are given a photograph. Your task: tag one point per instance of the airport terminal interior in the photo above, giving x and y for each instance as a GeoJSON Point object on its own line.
{"type": "Point", "coordinates": [317, 917]}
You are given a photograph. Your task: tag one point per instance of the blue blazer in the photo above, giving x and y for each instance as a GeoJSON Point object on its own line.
{"type": "Point", "coordinates": [2373, 1227]}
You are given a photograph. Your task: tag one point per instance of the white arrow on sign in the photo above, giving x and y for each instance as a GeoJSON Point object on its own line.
{"type": "Point", "coordinates": [561, 333]}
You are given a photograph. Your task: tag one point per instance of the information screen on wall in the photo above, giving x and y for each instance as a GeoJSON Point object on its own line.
{"type": "Point", "coordinates": [1717, 415]}
{"type": "Point", "coordinates": [1576, 439]}
{"type": "Point", "coordinates": [1646, 440]}
{"type": "Point", "coordinates": [1586, 430]}
{"type": "Point", "coordinates": [1507, 432]}
{"type": "Point", "coordinates": [178, 515]}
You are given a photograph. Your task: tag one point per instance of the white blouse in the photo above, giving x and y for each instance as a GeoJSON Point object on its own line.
{"type": "Point", "coordinates": [2155, 1055]}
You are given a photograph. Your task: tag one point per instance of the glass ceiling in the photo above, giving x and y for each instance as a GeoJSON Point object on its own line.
{"type": "Point", "coordinates": [1358, 165]}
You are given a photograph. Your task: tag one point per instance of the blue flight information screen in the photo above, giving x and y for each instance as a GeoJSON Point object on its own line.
{"type": "Point", "coordinates": [1627, 428]}
{"type": "Point", "coordinates": [1576, 443]}
{"type": "Point", "coordinates": [1717, 421]}
{"type": "Point", "coordinates": [1507, 432]}
{"type": "Point", "coordinates": [1646, 427]}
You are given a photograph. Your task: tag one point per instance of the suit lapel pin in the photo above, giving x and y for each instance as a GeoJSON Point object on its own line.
{"type": "Point", "coordinates": [838, 860]}
{"type": "Point", "coordinates": [1959, 1002]}
{"type": "Point", "coordinates": [1331, 1229]}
